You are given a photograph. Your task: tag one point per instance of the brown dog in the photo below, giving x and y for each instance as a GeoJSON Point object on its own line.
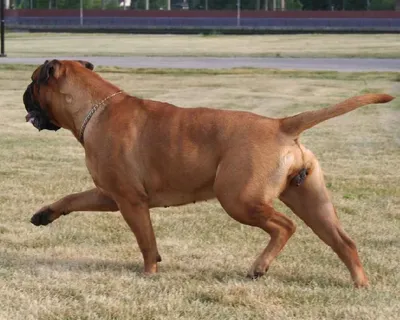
{"type": "Point", "coordinates": [143, 154]}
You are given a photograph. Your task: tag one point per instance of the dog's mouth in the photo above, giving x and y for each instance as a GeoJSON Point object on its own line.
{"type": "Point", "coordinates": [30, 118]}
{"type": "Point", "coordinates": [36, 115]}
{"type": "Point", "coordinates": [34, 120]}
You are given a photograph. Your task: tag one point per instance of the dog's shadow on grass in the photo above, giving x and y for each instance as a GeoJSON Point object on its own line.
{"type": "Point", "coordinates": [33, 264]}
{"type": "Point", "coordinates": [30, 263]}
{"type": "Point", "coordinates": [311, 280]}
{"type": "Point", "coordinates": [36, 263]}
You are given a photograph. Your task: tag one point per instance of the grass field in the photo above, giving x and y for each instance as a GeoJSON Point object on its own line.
{"type": "Point", "coordinates": [314, 45]}
{"type": "Point", "coordinates": [87, 265]}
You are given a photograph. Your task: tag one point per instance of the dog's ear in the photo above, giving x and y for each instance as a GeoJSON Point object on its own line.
{"type": "Point", "coordinates": [49, 69]}
{"type": "Point", "coordinates": [86, 64]}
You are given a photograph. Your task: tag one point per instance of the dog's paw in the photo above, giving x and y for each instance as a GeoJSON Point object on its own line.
{"type": "Point", "coordinates": [42, 218]}
{"type": "Point", "coordinates": [256, 273]}
{"type": "Point", "coordinates": [362, 283]}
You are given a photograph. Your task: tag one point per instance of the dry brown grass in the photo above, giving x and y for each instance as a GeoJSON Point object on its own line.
{"type": "Point", "coordinates": [87, 265]}
{"type": "Point", "coordinates": [314, 45]}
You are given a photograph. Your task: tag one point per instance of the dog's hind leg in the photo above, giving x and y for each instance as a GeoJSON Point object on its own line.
{"type": "Point", "coordinates": [262, 215]}
{"type": "Point", "coordinates": [250, 203]}
{"type": "Point", "coordinates": [280, 228]}
{"type": "Point", "coordinates": [311, 202]}
{"type": "Point", "coordinates": [90, 200]}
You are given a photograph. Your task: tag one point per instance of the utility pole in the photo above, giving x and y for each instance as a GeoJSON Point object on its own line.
{"type": "Point", "coordinates": [2, 26]}
{"type": "Point", "coordinates": [81, 13]}
{"type": "Point", "coordinates": [238, 4]}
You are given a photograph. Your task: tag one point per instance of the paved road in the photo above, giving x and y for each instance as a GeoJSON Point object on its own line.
{"type": "Point", "coordinates": [330, 64]}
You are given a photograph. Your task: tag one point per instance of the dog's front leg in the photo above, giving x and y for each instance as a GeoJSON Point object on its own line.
{"type": "Point", "coordinates": [137, 216]}
{"type": "Point", "coordinates": [90, 200]}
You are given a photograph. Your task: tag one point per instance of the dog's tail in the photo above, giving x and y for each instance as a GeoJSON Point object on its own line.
{"type": "Point", "coordinates": [297, 124]}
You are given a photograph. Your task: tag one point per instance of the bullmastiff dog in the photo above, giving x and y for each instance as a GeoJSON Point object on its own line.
{"type": "Point", "coordinates": [144, 154]}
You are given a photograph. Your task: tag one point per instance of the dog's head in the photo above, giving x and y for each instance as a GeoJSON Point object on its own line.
{"type": "Point", "coordinates": [49, 92]}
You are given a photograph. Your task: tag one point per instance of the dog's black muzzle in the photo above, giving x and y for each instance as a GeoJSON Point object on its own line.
{"type": "Point", "coordinates": [36, 115]}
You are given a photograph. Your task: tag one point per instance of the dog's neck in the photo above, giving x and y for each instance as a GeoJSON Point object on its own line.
{"type": "Point", "coordinates": [85, 104]}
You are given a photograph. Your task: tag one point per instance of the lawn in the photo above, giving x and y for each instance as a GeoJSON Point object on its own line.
{"type": "Point", "coordinates": [308, 45]}
{"type": "Point", "coordinates": [88, 265]}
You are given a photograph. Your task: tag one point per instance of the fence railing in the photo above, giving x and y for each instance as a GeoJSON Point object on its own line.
{"type": "Point", "coordinates": [265, 5]}
{"type": "Point", "coordinates": [227, 19]}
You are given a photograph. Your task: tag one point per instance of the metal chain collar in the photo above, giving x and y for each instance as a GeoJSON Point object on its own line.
{"type": "Point", "coordinates": [91, 113]}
